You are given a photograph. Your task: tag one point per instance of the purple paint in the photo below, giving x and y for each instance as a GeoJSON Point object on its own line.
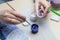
{"type": "Point", "coordinates": [56, 1]}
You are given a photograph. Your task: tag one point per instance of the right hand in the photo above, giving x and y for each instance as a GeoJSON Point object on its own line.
{"type": "Point", "coordinates": [43, 3]}
{"type": "Point", "coordinates": [11, 17]}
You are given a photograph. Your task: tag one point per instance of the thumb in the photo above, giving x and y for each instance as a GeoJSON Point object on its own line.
{"type": "Point", "coordinates": [46, 10]}
{"type": "Point", "coordinates": [36, 8]}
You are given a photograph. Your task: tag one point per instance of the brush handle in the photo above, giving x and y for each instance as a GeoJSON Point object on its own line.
{"type": "Point", "coordinates": [28, 22]}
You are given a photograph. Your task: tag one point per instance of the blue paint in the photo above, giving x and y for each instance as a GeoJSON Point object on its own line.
{"type": "Point", "coordinates": [40, 13]}
{"type": "Point", "coordinates": [34, 28]}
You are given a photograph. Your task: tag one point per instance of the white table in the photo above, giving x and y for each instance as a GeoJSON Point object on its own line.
{"type": "Point", "coordinates": [48, 30]}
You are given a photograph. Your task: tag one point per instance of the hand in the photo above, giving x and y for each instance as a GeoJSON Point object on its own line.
{"type": "Point", "coordinates": [11, 17]}
{"type": "Point", "coordinates": [46, 5]}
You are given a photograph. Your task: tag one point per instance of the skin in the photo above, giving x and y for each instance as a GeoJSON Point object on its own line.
{"type": "Point", "coordinates": [46, 5]}
{"type": "Point", "coordinates": [11, 17]}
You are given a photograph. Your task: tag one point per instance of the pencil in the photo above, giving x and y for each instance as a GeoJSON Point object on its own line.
{"type": "Point", "coordinates": [55, 12]}
{"type": "Point", "coordinates": [10, 6]}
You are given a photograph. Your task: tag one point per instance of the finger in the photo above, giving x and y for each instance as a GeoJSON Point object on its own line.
{"type": "Point", "coordinates": [17, 14]}
{"type": "Point", "coordinates": [46, 6]}
{"type": "Point", "coordinates": [37, 6]}
{"type": "Point", "coordinates": [44, 3]}
{"type": "Point", "coordinates": [19, 19]}
{"type": "Point", "coordinates": [8, 21]}
{"type": "Point", "coordinates": [11, 21]}
{"type": "Point", "coordinates": [46, 10]}
{"type": "Point", "coordinates": [7, 14]}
